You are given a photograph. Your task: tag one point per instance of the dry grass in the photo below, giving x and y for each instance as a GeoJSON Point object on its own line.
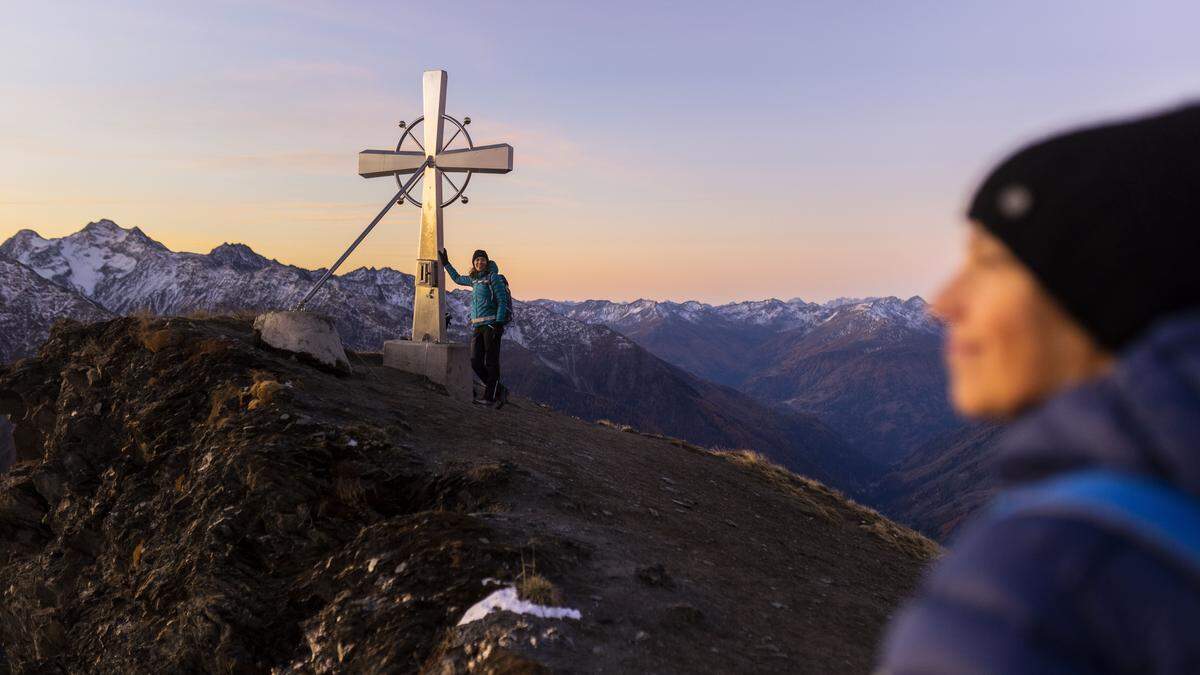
{"type": "Point", "coordinates": [225, 400]}
{"type": "Point", "coordinates": [824, 499]}
{"type": "Point", "coordinates": [534, 587]}
{"type": "Point", "coordinates": [538, 589]}
{"type": "Point", "coordinates": [350, 489]}
{"type": "Point", "coordinates": [263, 392]}
{"type": "Point", "coordinates": [200, 314]}
{"type": "Point", "coordinates": [617, 425]}
{"type": "Point", "coordinates": [205, 348]}
{"type": "Point", "coordinates": [160, 339]}
{"type": "Point", "coordinates": [137, 553]}
{"type": "Point", "coordinates": [240, 314]}
{"type": "Point", "coordinates": [680, 443]}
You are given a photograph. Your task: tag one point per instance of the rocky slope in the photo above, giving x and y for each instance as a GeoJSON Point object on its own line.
{"type": "Point", "coordinates": [29, 304]}
{"type": "Point", "coordinates": [196, 503]}
{"type": "Point", "coordinates": [596, 373]}
{"type": "Point", "coordinates": [938, 487]}
{"type": "Point", "coordinates": [8, 453]}
{"type": "Point", "coordinates": [586, 369]}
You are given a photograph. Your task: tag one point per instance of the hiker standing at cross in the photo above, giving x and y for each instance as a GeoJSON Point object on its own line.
{"type": "Point", "coordinates": [491, 310]}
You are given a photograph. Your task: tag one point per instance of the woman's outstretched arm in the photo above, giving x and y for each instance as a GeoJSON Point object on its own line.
{"type": "Point", "coordinates": [451, 272]}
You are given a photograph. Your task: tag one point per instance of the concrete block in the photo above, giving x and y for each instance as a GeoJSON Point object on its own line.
{"type": "Point", "coordinates": [304, 333]}
{"type": "Point", "coordinates": [448, 364]}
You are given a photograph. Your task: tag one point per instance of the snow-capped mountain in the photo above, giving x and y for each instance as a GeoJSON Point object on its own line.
{"type": "Point", "coordinates": [29, 304]}
{"type": "Point", "coordinates": [776, 314]}
{"type": "Point", "coordinates": [87, 261]}
{"type": "Point", "coordinates": [125, 271]}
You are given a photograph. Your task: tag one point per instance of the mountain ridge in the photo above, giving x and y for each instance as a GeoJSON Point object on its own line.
{"type": "Point", "coordinates": [586, 369]}
{"type": "Point", "coordinates": [870, 368]}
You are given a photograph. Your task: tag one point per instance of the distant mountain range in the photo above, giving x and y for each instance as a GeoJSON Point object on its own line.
{"type": "Point", "coordinates": [869, 368]}
{"type": "Point", "coordinates": [841, 390]}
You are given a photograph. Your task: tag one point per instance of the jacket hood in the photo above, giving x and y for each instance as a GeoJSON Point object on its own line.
{"type": "Point", "coordinates": [1142, 418]}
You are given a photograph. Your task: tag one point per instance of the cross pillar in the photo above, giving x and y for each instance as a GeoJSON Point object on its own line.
{"type": "Point", "coordinates": [429, 303]}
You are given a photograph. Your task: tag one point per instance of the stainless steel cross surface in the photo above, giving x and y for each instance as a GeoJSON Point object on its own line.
{"type": "Point", "coordinates": [430, 297]}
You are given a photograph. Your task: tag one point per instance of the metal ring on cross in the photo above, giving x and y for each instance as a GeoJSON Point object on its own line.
{"type": "Point", "coordinates": [460, 129]}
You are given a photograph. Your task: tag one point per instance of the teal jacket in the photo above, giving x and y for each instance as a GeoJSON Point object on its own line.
{"type": "Point", "coordinates": [489, 295]}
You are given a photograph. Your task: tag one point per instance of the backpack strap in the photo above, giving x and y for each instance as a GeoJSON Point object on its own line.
{"type": "Point", "coordinates": [492, 283]}
{"type": "Point", "coordinates": [1148, 511]}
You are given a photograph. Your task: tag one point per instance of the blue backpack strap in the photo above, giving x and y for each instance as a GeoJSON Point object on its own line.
{"type": "Point", "coordinates": [1148, 511]}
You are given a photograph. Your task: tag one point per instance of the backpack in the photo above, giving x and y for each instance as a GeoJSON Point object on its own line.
{"type": "Point", "coordinates": [508, 306]}
{"type": "Point", "coordinates": [1150, 512]}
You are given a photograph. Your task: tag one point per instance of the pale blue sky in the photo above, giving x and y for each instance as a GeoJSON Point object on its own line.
{"type": "Point", "coordinates": [702, 150]}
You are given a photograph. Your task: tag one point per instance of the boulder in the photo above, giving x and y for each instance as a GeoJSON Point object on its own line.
{"type": "Point", "coordinates": [309, 335]}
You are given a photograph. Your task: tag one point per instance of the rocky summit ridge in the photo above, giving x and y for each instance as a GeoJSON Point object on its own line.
{"type": "Point", "coordinates": [191, 501]}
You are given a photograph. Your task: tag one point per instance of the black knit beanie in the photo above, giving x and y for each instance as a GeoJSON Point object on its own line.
{"type": "Point", "coordinates": [1107, 218]}
{"type": "Point", "coordinates": [479, 253]}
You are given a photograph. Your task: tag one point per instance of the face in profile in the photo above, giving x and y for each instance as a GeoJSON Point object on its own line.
{"type": "Point", "coordinates": [1009, 345]}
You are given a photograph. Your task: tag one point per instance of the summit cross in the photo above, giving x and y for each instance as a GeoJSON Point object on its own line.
{"type": "Point", "coordinates": [434, 160]}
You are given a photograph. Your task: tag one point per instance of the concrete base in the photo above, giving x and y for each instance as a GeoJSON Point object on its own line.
{"type": "Point", "coordinates": [310, 335]}
{"type": "Point", "coordinates": [448, 364]}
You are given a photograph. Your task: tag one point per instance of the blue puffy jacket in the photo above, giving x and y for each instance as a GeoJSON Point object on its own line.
{"type": "Point", "coordinates": [489, 295]}
{"type": "Point", "coordinates": [1039, 594]}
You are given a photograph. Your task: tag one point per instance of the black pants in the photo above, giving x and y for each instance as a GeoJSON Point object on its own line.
{"type": "Point", "coordinates": [485, 357]}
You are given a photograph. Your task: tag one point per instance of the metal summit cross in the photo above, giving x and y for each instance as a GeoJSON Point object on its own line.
{"type": "Point", "coordinates": [427, 353]}
{"type": "Point", "coordinates": [433, 161]}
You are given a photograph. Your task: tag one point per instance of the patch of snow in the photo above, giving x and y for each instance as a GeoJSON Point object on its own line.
{"type": "Point", "coordinates": [506, 600]}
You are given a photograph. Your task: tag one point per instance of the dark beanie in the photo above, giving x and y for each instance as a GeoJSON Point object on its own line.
{"type": "Point", "coordinates": [479, 253]}
{"type": "Point", "coordinates": [1107, 218]}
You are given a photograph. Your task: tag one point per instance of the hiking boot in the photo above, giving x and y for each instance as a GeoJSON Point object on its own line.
{"type": "Point", "coordinates": [501, 395]}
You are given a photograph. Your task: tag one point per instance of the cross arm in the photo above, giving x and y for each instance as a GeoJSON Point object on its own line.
{"type": "Point", "coordinates": [480, 159]}
{"type": "Point", "coordinates": [375, 163]}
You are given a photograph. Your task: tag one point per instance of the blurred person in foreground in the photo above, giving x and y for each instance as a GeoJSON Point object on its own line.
{"type": "Point", "coordinates": [1075, 317]}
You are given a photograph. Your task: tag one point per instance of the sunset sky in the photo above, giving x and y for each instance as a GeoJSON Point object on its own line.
{"type": "Point", "coordinates": [691, 150]}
